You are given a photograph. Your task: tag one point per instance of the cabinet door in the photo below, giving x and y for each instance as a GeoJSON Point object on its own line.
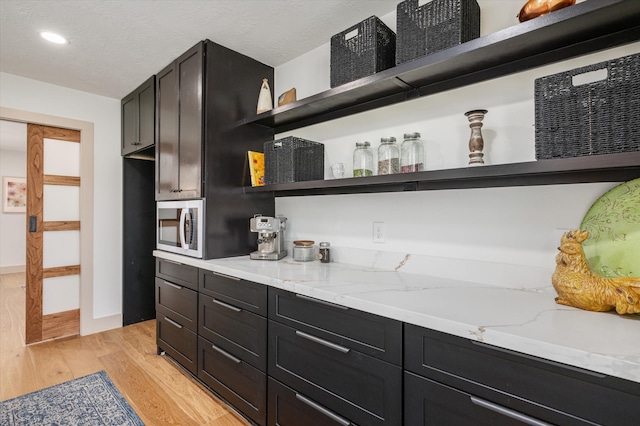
{"type": "Point", "coordinates": [177, 341]}
{"type": "Point", "coordinates": [167, 153]}
{"type": "Point", "coordinates": [189, 69]}
{"type": "Point", "coordinates": [353, 385]}
{"type": "Point", "coordinates": [147, 114]}
{"type": "Point", "coordinates": [129, 112]}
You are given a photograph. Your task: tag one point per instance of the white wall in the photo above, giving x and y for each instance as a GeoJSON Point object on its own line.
{"type": "Point", "coordinates": [34, 96]}
{"type": "Point", "coordinates": [12, 225]}
{"type": "Point", "coordinates": [518, 225]}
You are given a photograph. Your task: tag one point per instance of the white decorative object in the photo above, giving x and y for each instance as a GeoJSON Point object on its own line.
{"type": "Point", "coordinates": [264, 99]}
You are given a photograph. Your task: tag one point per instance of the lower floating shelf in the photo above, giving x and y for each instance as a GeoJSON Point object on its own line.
{"type": "Point", "coordinates": [598, 168]}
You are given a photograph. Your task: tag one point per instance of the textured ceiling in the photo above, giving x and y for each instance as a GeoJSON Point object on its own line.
{"type": "Point", "coordinates": [116, 44]}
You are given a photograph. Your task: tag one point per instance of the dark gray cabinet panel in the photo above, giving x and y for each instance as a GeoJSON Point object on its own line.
{"type": "Point", "coordinates": [138, 118]}
{"type": "Point", "coordinates": [242, 385]}
{"type": "Point", "coordinates": [177, 341]}
{"type": "Point", "coordinates": [167, 140]}
{"type": "Point", "coordinates": [542, 389]}
{"type": "Point", "coordinates": [287, 407]}
{"type": "Point", "coordinates": [243, 294]}
{"type": "Point", "coordinates": [180, 303]}
{"type": "Point", "coordinates": [367, 333]}
{"type": "Point", "coordinates": [356, 386]}
{"type": "Point", "coordinates": [241, 333]}
{"type": "Point", "coordinates": [177, 273]}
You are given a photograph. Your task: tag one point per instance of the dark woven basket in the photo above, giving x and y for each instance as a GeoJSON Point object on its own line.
{"type": "Point", "coordinates": [364, 49]}
{"type": "Point", "coordinates": [293, 159]}
{"type": "Point", "coordinates": [434, 26]}
{"type": "Point", "coordinates": [588, 119]}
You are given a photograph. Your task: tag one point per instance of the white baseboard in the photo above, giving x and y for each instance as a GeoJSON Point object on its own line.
{"type": "Point", "coordinates": [12, 269]}
{"type": "Point", "coordinates": [98, 325]}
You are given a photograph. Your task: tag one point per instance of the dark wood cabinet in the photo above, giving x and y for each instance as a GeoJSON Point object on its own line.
{"type": "Point", "coordinates": [494, 381]}
{"type": "Point", "coordinates": [336, 359]}
{"type": "Point", "coordinates": [138, 118]}
{"type": "Point", "coordinates": [200, 154]}
{"type": "Point", "coordinates": [177, 312]}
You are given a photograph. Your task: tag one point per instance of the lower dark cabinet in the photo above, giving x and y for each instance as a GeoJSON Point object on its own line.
{"type": "Point", "coordinates": [289, 408]}
{"type": "Point", "coordinates": [177, 341]}
{"type": "Point", "coordinates": [242, 385]}
{"type": "Point", "coordinates": [355, 386]}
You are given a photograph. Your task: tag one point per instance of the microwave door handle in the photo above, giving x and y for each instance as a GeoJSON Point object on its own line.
{"type": "Point", "coordinates": [183, 217]}
{"type": "Point", "coordinates": [188, 228]}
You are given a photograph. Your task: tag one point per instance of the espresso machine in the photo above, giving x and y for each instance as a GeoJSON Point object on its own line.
{"type": "Point", "coordinates": [270, 237]}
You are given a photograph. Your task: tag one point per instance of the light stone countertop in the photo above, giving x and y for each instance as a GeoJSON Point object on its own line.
{"type": "Point", "coordinates": [525, 318]}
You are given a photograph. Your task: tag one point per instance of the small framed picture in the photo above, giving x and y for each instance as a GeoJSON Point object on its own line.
{"type": "Point", "coordinates": [14, 194]}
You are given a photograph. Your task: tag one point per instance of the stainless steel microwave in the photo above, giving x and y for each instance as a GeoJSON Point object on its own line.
{"type": "Point", "coordinates": [180, 227]}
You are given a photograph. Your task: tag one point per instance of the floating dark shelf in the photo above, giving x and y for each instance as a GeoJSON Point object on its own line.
{"type": "Point", "coordinates": [597, 168]}
{"type": "Point", "coordinates": [583, 28]}
{"type": "Point", "coordinates": [586, 27]}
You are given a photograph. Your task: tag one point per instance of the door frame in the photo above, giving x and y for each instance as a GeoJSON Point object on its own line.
{"type": "Point", "coordinates": [86, 200]}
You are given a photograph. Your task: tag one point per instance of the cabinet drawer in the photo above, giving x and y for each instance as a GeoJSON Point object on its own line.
{"type": "Point", "coordinates": [177, 273]}
{"type": "Point", "coordinates": [353, 385]}
{"type": "Point", "coordinates": [244, 294]}
{"type": "Point", "coordinates": [177, 341]}
{"type": "Point", "coordinates": [235, 330]}
{"type": "Point", "coordinates": [431, 403]}
{"type": "Point", "coordinates": [178, 302]}
{"type": "Point", "coordinates": [460, 362]}
{"type": "Point", "coordinates": [242, 385]}
{"type": "Point", "coordinates": [367, 333]}
{"type": "Point", "coordinates": [290, 408]}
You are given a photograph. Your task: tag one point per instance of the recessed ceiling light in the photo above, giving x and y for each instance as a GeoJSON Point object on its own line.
{"type": "Point", "coordinates": [54, 38]}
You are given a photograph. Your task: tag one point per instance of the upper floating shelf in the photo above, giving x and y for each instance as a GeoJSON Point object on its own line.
{"type": "Point", "coordinates": [570, 32]}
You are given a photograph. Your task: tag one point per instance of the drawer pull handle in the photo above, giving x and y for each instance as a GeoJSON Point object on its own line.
{"type": "Point", "coordinates": [171, 261]}
{"type": "Point", "coordinates": [226, 354]}
{"type": "Point", "coordinates": [226, 305]}
{"type": "Point", "coordinates": [333, 416]}
{"type": "Point", "coordinates": [172, 322]}
{"type": "Point", "coordinates": [508, 412]}
{"type": "Point", "coordinates": [172, 285]}
{"type": "Point", "coordinates": [322, 302]}
{"type": "Point", "coordinates": [226, 276]}
{"type": "Point", "coordinates": [322, 342]}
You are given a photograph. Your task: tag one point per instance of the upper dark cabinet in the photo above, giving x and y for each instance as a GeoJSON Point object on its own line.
{"type": "Point", "coordinates": [179, 127]}
{"type": "Point", "coordinates": [138, 118]}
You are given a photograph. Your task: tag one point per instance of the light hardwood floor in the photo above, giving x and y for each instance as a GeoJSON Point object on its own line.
{"type": "Point", "coordinates": [159, 392]}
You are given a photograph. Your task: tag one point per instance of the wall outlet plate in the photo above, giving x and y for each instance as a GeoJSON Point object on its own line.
{"type": "Point", "coordinates": [378, 232]}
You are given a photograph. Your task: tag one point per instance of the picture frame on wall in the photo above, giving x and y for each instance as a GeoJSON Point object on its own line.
{"type": "Point", "coordinates": [14, 194]}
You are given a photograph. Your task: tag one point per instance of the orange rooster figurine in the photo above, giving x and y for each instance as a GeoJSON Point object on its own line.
{"type": "Point", "coordinates": [578, 286]}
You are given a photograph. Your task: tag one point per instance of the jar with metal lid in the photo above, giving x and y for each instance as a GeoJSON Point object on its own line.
{"type": "Point", "coordinates": [362, 160]}
{"type": "Point", "coordinates": [411, 153]}
{"type": "Point", "coordinates": [304, 251]}
{"type": "Point", "coordinates": [388, 156]}
{"type": "Point", "coordinates": [325, 252]}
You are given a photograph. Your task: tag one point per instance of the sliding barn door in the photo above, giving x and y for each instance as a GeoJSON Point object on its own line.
{"type": "Point", "coordinates": [53, 233]}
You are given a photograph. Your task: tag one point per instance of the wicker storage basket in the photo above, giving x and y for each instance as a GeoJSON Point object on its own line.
{"type": "Point", "coordinates": [364, 49]}
{"type": "Point", "coordinates": [293, 159]}
{"type": "Point", "coordinates": [434, 26]}
{"type": "Point", "coordinates": [574, 119]}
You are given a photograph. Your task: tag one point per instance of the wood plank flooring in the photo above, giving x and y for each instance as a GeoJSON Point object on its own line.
{"type": "Point", "coordinates": [159, 391]}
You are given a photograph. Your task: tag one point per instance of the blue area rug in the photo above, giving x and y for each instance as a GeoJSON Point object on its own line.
{"type": "Point", "coordinates": [88, 400]}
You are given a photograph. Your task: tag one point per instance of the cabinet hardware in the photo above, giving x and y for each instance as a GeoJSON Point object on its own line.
{"type": "Point", "coordinates": [226, 305]}
{"type": "Point", "coordinates": [546, 361]}
{"type": "Point", "coordinates": [172, 322]}
{"type": "Point", "coordinates": [508, 412]}
{"type": "Point", "coordinates": [323, 342]}
{"type": "Point", "coordinates": [172, 285]}
{"type": "Point", "coordinates": [322, 302]}
{"type": "Point", "coordinates": [333, 416]}
{"type": "Point", "coordinates": [225, 276]}
{"type": "Point", "coordinates": [226, 354]}
{"type": "Point", "coordinates": [172, 261]}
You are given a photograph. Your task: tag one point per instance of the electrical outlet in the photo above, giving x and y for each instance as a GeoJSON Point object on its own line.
{"type": "Point", "coordinates": [378, 232]}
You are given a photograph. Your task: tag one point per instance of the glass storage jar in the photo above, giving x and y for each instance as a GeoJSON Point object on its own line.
{"type": "Point", "coordinates": [362, 160]}
{"type": "Point", "coordinates": [388, 156]}
{"type": "Point", "coordinates": [411, 153]}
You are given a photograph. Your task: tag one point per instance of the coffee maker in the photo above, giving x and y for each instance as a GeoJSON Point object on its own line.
{"type": "Point", "coordinates": [270, 238]}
